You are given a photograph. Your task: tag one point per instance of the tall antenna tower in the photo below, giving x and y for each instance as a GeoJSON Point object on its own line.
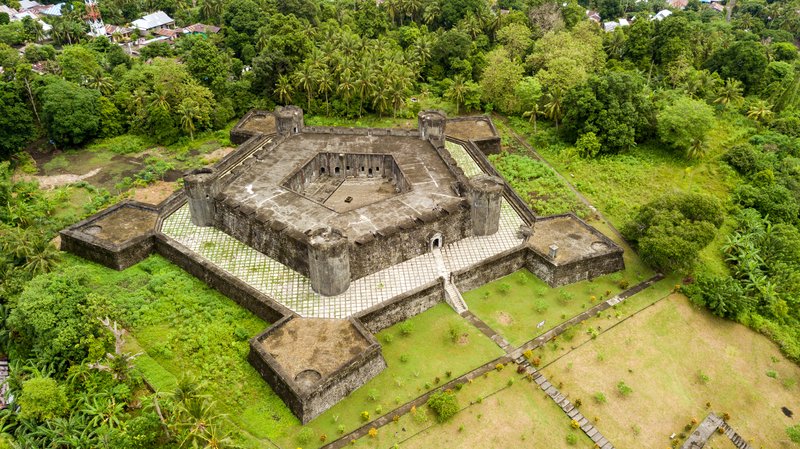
{"type": "Point", "coordinates": [96, 26]}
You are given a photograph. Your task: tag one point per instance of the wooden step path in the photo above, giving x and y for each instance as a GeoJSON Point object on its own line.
{"type": "Point", "coordinates": [707, 428]}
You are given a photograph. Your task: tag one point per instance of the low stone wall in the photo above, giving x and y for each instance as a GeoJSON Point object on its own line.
{"type": "Point", "coordinates": [239, 134]}
{"type": "Point", "coordinates": [246, 296]}
{"type": "Point", "coordinates": [589, 268]}
{"type": "Point", "coordinates": [116, 255]}
{"type": "Point", "coordinates": [490, 269]}
{"type": "Point", "coordinates": [330, 390]}
{"type": "Point", "coordinates": [402, 307]}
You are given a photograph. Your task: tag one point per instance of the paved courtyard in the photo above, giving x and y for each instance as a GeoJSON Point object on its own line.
{"type": "Point", "coordinates": [293, 290]}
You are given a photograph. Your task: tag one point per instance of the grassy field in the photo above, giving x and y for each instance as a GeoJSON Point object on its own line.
{"type": "Point", "coordinates": [677, 359]}
{"type": "Point", "coordinates": [517, 413]}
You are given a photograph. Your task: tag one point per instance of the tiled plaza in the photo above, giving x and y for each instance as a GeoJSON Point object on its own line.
{"type": "Point", "coordinates": [293, 290]}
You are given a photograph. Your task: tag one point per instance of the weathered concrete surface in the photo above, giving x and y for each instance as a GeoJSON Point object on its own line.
{"type": "Point", "coordinates": [485, 193]}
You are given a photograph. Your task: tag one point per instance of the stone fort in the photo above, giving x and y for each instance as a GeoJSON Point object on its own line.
{"type": "Point", "coordinates": [333, 234]}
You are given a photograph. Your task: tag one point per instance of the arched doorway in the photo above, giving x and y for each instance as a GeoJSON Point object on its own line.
{"type": "Point", "coordinates": [436, 241]}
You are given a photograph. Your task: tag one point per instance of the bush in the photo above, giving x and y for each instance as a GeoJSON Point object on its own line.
{"type": "Point", "coordinates": [305, 436]}
{"type": "Point", "coordinates": [406, 327]}
{"type": "Point", "coordinates": [793, 433]}
{"type": "Point", "coordinates": [572, 438]}
{"type": "Point", "coordinates": [444, 404]}
{"type": "Point", "coordinates": [600, 397]}
{"type": "Point", "coordinates": [42, 399]}
{"type": "Point", "coordinates": [588, 145]}
{"type": "Point", "coordinates": [671, 231]}
{"type": "Point", "coordinates": [624, 389]}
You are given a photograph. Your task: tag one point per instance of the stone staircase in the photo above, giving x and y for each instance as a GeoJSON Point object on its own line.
{"type": "Point", "coordinates": [707, 428]}
{"type": "Point", "coordinates": [454, 298]}
{"type": "Point", "coordinates": [735, 438]}
{"type": "Point", "coordinates": [451, 293]}
{"type": "Point", "coordinates": [561, 400]}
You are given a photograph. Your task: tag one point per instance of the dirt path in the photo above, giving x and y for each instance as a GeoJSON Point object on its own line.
{"type": "Point", "coordinates": [53, 181]}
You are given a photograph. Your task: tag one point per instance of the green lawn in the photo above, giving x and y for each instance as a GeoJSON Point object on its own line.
{"type": "Point", "coordinates": [498, 410]}
{"type": "Point", "coordinates": [429, 354]}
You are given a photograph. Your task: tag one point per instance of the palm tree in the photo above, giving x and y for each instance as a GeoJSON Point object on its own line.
{"type": "Point", "coordinates": [553, 107]}
{"type": "Point", "coordinates": [284, 90]}
{"type": "Point", "coordinates": [457, 91]}
{"type": "Point", "coordinates": [304, 79]}
{"type": "Point", "coordinates": [42, 255]}
{"type": "Point", "coordinates": [346, 87]}
{"type": "Point", "coordinates": [730, 93]}
{"type": "Point", "coordinates": [211, 10]}
{"type": "Point", "coordinates": [160, 99]}
{"type": "Point", "coordinates": [432, 11]}
{"type": "Point", "coordinates": [533, 113]}
{"type": "Point", "coordinates": [382, 99]}
{"type": "Point", "coordinates": [760, 111]}
{"type": "Point", "coordinates": [100, 82]}
{"type": "Point", "coordinates": [365, 84]}
{"type": "Point", "coordinates": [324, 82]}
{"type": "Point", "coordinates": [697, 149]}
{"type": "Point", "coordinates": [188, 113]}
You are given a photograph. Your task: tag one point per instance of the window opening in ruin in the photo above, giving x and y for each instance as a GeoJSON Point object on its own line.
{"type": "Point", "coordinates": [370, 172]}
{"type": "Point", "coordinates": [362, 168]}
{"type": "Point", "coordinates": [436, 243]}
{"type": "Point", "coordinates": [295, 130]}
{"type": "Point", "coordinates": [336, 170]}
{"type": "Point", "coordinates": [322, 170]}
{"type": "Point", "coordinates": [377, 169]}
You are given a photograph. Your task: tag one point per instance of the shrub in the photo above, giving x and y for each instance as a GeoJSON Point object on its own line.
{"type": "Point", "coordinates": [365, 415]}
{"type": "Point", "coordinates": [624, 389]}
{"type": "Point", "coordinates": [406, 327]}
{"type": "Point", "coordinates": [572, 439]}
{"type": "Point", "coordinates": [793, 433]}
{"type": "Point", "coordinates": [373, 395]}
{"type": "Point", "coordinates": [388, 338]}
{"type": "Point", "coordinates": [305, 435]}
{"type": "Point", "coordinates": [454, 331]}
{"type": "Point", "coordinates": [404, 358]}
{"type": "Point", "coordinates": [703, 377]}
{"type": "Point", "coordinates": [444, 404]}
{"type": "Point", "coordinates": [772, 374]}
{"type": "Point", "coordinates": [42, 399]}
{"type": "Point", "coordinates": [588, 145]}
{"type": "Point", "coordinates": [600, 397]}
{"type": "Point", "coordinates": [575, 424]}
{"type": "Point", "coordinates": [499, 367]}
{"type": "Point", "coordinates": [323, 438]}
{"type": "Point", "coordinates": [504, 288]}
{"type": "Point", "coordinates": [373, 432]}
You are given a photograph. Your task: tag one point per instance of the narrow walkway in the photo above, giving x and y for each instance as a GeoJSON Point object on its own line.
{"type": "Point", "coordinates": [488, 331]}
{"type": "Point", "coordinates": [561, 400]}
{"type": "Point", "coordinates": [707, 428]}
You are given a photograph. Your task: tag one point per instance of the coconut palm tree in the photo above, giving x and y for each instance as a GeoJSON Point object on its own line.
{"type": "Point", "coordinates": [534, 111]}
{"type": "Point", "coordinates": [730, 93]}
{"type": "Point", "coordinates": [760, 111]}
{"type": "Point", "coordinates": [553, 106]}
{"type": "Point", "coordinates": [42, 255]}
{"type": "Point", "coordinates": [324, 82]}
{"type": "Point", "coordinates": [304, 79]}
{"type": "Point", "coordinates": [457, 91]}
{"type": "Point", "coordinates": [284, 90]}
{"type": "Point", "coordinates": [188, 113]}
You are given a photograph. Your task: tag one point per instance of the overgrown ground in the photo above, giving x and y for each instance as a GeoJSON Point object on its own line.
{"type": "Point", "coordinates": [617, 185]}
{"type": "Point", "coordinates": [677, 359]}
{"type": "Point", "coordinates": [500, 410]}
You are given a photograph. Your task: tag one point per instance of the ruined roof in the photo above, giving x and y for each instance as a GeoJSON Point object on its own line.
{"type": "Point", "coordinates": [260, 185]}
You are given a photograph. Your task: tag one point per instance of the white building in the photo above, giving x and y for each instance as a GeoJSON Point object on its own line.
{"type": "Point", "coordinates": [154, 21]}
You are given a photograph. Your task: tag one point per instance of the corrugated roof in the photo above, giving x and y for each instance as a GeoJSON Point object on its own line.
{"type": "Point", "coordinates": [27, 4]}
{"type": "Point", "coordinates": [150, 21]}
{"type": "Point", "coordinates": [54, 10]}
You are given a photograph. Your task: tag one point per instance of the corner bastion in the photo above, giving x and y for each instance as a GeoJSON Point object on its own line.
{"type": "Point", "coordinates": [333, 234]}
